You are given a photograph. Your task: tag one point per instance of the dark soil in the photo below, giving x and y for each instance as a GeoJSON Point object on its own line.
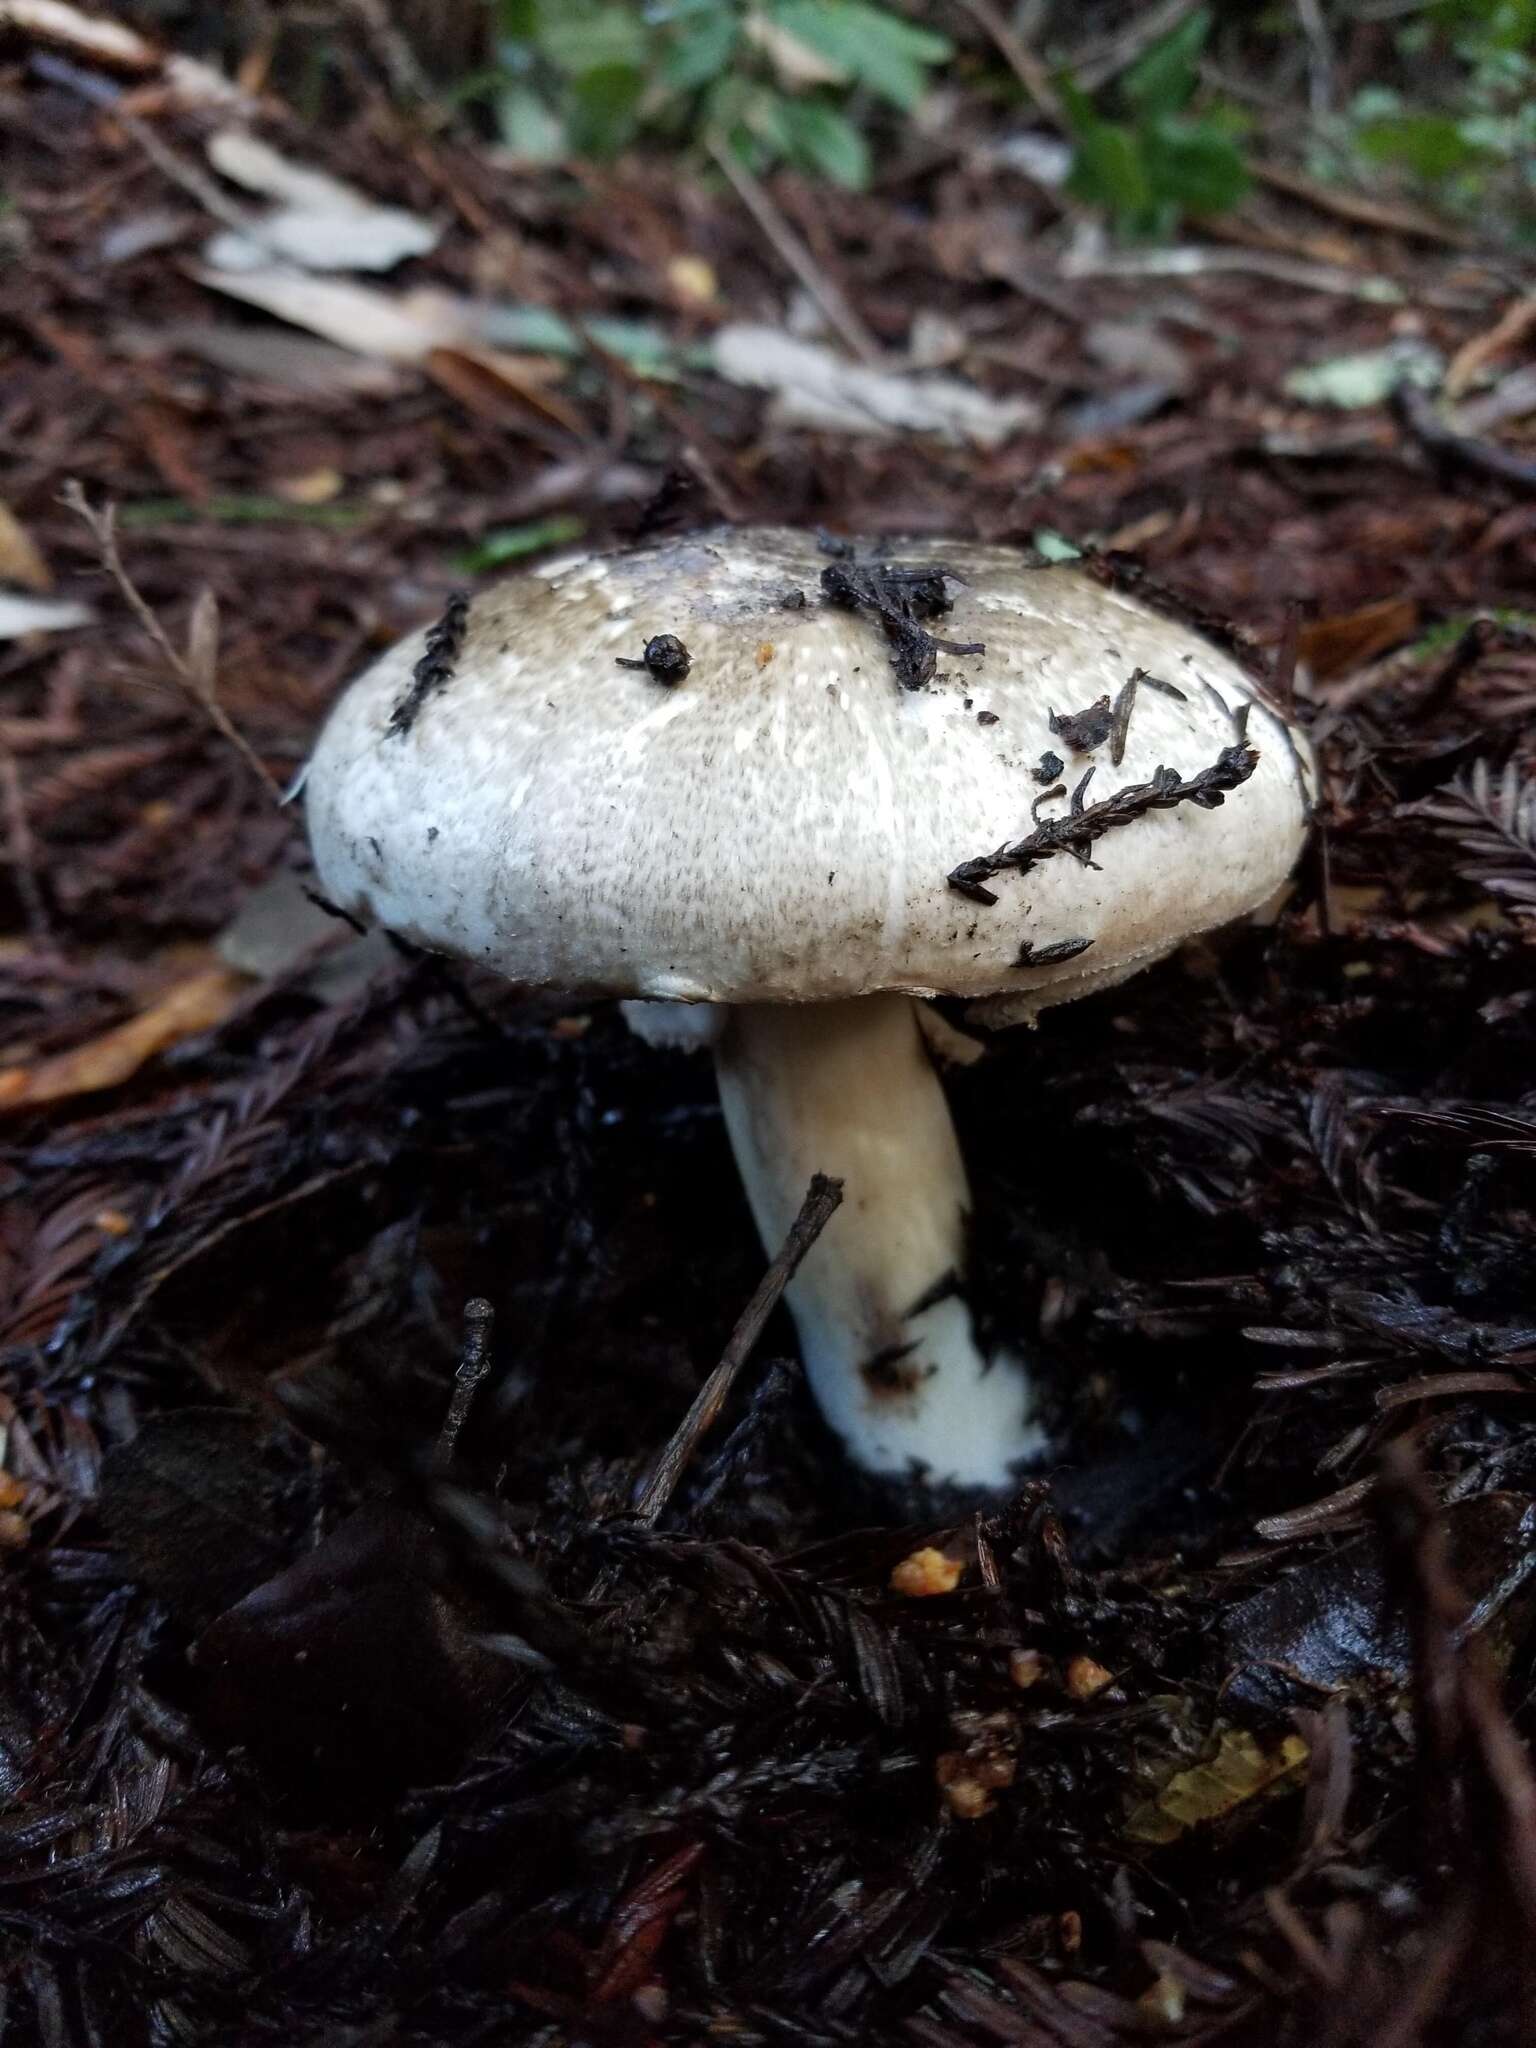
{"type": "Point", "coordinates": [306, 1738]}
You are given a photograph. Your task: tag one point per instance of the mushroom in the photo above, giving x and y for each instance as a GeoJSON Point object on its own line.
{"type": "Point", "coordinates": [813, 816]}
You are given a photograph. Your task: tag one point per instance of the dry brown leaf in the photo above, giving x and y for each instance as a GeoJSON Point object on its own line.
{"type": "Point", "coordinates": [484, 379]}
{"type": "Point", "coordinates": [195, 1004]}
{"type": "Point", "coordinates": [20, 561]}
{"type": "Point", "coordinates": [1332, 647]}
{"type": "Point", "coordinates": [402, 329]}
{"type": "Point", "coordinates": [270, 355]}
{"type": "Point", "coordinates": [1512, 325]}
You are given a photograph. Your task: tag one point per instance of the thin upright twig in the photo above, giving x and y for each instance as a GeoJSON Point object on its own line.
{"type": "Point", "coordinates": [102, 522]}
{"type": "Point", "coordinates": [755, 197]}
{"type": "Point", "coordinates": [821, 1200]}
{"type": "Point", "coordinates": [1094, 69]}
{"type": "Point", "coordinates": [396, 57]}
{"type": "Point", "coordinates": [474, 1364]}
{"type": "Point", "coordinates": [103, 92]}
{"type": "Point", "coordinates": [1020, 59]}
{"type": "Point", "coordinates": [21, 850]}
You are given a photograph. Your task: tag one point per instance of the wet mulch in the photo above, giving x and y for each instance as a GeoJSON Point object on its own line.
{"type": "Point", "coordinates": [310, 1734]}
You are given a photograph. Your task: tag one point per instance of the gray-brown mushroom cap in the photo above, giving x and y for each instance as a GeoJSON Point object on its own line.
{"type": "Point", "coordinates": [779, 825]}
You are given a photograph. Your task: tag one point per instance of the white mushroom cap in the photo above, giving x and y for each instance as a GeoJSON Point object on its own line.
{"type": "Point", "coordinates": [779, 826]}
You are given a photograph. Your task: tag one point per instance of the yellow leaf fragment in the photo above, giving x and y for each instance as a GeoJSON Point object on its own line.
{"type": "Point", "coordinates": [1086, 1676]}
{"type": "Point", "coordinates": [1239, 1770]}
{"type": "Point", "coordinates": [693, 280]}
{"type": "Point", "coordinates": [1025, 1668]}
{"type": "Point", "coordinates": [925, 1573]}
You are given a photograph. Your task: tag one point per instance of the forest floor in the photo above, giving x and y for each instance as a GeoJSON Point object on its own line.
{"type": "Point", "coordinates": [307, 1737]}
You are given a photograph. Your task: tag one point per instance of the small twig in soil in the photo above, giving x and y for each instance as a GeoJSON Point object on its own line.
{"type": "Point", "coordinates": [21, 851]}
{"type": "Point", "coordinates": [1416, 410]}
{"type": "Point", "coordinates": [1020, 59]}
{"type": "Point", "coordinates": [1283, 681]}
{"type": "Point", "coordinates": [899, 598]}
{"type": "Point", "coordinates": [754, 196]}
{"type": "Point", "coordinates": [398, 61]}
{"type": "Point", "coordinates": [821, 1201]}
{"type": "Point", "coordinates": [1083, 826]}
{"type": "Point", "coordinates": [474, 1364]}
{"type": "Point", "coordinates": [104, 92]}
{"type": "Point", "coordinates": [194, 674]}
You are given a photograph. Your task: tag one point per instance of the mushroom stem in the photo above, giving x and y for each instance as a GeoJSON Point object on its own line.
{"type": "Point", "coordinates": [847, 1088]}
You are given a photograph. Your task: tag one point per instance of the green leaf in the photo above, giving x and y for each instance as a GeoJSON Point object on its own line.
{"type": "Point", "coordinates": [582, 40]}
{"type": "Point", "coordinates": [1193, 166]}
{"type": "Point", "coordinates": [880, 50]}
{"type": "Point", "coordinates": [699, 51]}
{"type": "Point", "coordinates": [511, 543]}
{"type": "Point", "coordinates": [1164, 80]}
{"type": "Point", "coordinates": [1494, 24]}
{"type": "Point", "coordinates": [518, 19]}
{"type": "Point", "coordinates": [529, 125]}
{"type": "Point", "coordinates": [1432, 146]}
{"type": "Point", "coordinates": [250, 510]}
{"type": "Point", "coordinates": [605, 108]}
{"type": "Point", "coordinates": [542, 331]}
{"type": "Point", "coordinates": [816, 137]}
{"type": "Point", "coordinates": [1109, 170]}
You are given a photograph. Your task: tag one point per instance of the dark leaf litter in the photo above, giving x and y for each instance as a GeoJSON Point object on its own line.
{"type": "Point", "coordinates": [322, 1724]}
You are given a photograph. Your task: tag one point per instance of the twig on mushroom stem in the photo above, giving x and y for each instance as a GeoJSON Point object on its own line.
{"type": "Point", "coordinates": [1076, 832]}
{"type": "Point", "coordinates": [754, 196]}
{"type": "Point", "coordinates": [474, 1364]}
{"type": "Point", "coordinates": [821, 1201]}
{"type": "Point", "coordinates": [195, 670]}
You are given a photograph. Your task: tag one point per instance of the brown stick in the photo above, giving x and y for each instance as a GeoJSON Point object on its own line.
{"type": "Point", "coordinates": [1417, 412]}
{"type": "Point", "coordinates": [754, 196]}
{"type": "Point", "coordinates": [821, 1200]}
{"type": "Point", "coordinates": [1020, 59]}
{"type": "Point", "coordinates": [199, 687]}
